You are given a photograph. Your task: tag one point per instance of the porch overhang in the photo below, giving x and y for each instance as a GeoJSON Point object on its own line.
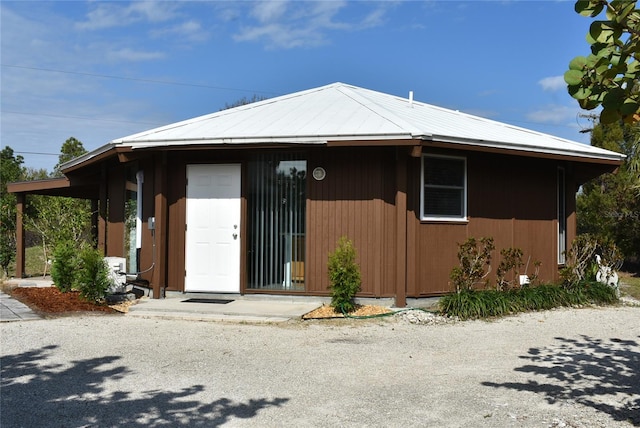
{"type": "Point", "coordinates": [64, 186]}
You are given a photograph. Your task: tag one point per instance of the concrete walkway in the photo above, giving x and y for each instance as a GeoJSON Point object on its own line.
{"type": "Point", "coordinates": [242, 308]}
{"type": "Point", "coordinates": [14, 310]}
{"type": "Point", "coordinates": [261, 309]}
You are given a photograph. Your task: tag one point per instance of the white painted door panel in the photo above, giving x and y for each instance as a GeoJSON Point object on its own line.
{"type": "Point", "coordinates": [213, 228]}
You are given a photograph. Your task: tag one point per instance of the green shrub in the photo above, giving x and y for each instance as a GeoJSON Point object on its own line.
{"type": "Point", "coordinates": [7, 250]}
{"type": "Point", "coordinates": [344, 276]}
{"type": "Point", "coordinates": [599, 293]}
{"type": "Point", "coordinates": [473, 304]}
{"type": "Point", "coordinates": [580, 261]}
{"type": "Point", "coordinates": [473, 255]}
{"type": "Point", "coordinates": [511, 262]}
{"type": "Point", "coordinates": [93, 275]}
{"type": "Point", "coordinates": [64, 268]}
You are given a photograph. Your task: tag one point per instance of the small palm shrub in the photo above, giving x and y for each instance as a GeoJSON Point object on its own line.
{"type": "Point", "coordinates": [65, 266]}
{"type": "Point", "coordinates": [93, 275]}
{"type": "Point", "coordinates": [344, 276]}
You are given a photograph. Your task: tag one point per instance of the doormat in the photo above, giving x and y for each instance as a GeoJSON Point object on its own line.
{"type": "Point", "coordinates": [201, 300]}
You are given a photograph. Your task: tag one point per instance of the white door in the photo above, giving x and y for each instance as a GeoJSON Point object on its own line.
{"type": "Point", "coordinates": [213, 228]}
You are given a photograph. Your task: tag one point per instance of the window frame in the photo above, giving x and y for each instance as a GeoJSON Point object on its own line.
{"type": "Point", "coordinates": [444, 218]}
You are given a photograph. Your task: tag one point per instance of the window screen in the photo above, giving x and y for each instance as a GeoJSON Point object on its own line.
{"type": "Point", "coordinates": [444, 187]}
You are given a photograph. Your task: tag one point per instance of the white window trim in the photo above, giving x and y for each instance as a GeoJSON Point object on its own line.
{"type": "Point", "coordinates": [562, 238]}
{"type": "Point", "coordinates": [451, 219]}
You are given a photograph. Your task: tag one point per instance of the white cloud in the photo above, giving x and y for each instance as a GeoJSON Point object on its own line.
{"type": "Point", "coordinates": [554, 114]}
{"type": "Point", "coordinates": [190, 30]}
{"type": "Point", "coordinates": [113, 14]}
{"type": "Point", "coordinates": [41, 108]}
{"type": "Point", "coordinates": [553, 83]}
{"type": "Point", "coordinates": [286, 25]}
{"type": "Point", "coordinates": [268, 11]}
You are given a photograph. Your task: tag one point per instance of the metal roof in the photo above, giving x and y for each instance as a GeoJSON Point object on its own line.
{"type": "Point", "coordinates": [339, 112]}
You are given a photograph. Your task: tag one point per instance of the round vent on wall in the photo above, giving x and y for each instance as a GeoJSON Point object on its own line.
{"type": "Point", "coordinates": [319, 173]}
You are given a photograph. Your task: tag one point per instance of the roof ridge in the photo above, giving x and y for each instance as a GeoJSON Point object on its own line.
{"type": "Point", "coordinates": [356, 95]}
{"type": "Point", "coordinates": [225, 112]}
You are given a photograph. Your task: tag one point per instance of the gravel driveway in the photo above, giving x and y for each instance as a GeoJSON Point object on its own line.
{"type": "Point", "coordinates": [561, 368]}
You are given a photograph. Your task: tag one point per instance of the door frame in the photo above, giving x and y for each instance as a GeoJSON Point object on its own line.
{"type": "Point", "coordinates": [240, 175]}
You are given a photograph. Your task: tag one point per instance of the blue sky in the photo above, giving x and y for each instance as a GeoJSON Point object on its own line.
{"type": "Point", "coordinates": [99, 70]}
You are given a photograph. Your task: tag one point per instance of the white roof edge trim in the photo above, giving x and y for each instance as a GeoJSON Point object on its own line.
{"type": "Point", "coordinates": [528, 148]}
{"type": "Point", "coordinates": [87, 156]}
{"type": "Point", "coordinates": [303, 139]}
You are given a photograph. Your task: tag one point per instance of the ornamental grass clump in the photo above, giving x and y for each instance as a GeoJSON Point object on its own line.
{"type": "Point", "coordinates": [474, 304]}
{"type": "Point", "coordinates": [344, 276]}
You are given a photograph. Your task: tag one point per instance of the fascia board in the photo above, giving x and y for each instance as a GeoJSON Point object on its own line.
{"type": "Point", "coordinates": [86, 157]}
{"type": "Point", "coordinates": [601, 154]}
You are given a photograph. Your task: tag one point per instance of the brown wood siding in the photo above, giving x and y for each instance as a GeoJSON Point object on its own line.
{"type": "Point", "coordinates": [115, 215]}
{"type": "Point", "coordinates": [356, 199]}
{"type": "Point", "coordinates": [176, 188]}
{"type": "Point", "coordinates": [511, 199]}
{"type": "Point", "coordinates": [176, 201]}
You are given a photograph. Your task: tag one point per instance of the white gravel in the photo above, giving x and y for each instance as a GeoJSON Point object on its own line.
{"type": "Point", "coordinates": [561, 368]}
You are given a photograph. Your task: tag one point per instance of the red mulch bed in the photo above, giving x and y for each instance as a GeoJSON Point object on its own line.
{"type": "Point", "coordinates": [50, 300]}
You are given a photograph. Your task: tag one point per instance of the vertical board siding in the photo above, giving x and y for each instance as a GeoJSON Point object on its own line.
{"type": "Point", "coordinates": [512, 200]}
{"type": "Point", "coordinates": [351, 201]}
{"type": "Point", "coordinates": [115, 215]}
{"type": "Point", "coordinates": [176, 202]}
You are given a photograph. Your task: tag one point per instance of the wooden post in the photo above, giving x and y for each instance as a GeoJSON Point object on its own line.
{"type": "Point", "coordinates": [401, 228]}
{"type": "Point", "coordinates": [20, 258]}
{"type": "Point", "coordinates": [102, 214]}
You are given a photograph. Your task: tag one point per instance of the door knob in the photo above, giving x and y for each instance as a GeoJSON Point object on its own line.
{"type": "Point", "coordinates": [235, 236]}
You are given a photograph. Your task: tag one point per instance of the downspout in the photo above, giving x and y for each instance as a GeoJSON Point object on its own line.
{"type": "Point", "coordinates": [139, 199]}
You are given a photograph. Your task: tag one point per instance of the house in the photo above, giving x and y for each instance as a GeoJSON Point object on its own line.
{"type": "Point", "coordinates": [254, 198]}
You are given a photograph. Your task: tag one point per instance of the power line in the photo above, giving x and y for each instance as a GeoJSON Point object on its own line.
{"type": "Point", "coordinates": [136, 79]}
{"type": "Point", "coordinates": [80, 117]}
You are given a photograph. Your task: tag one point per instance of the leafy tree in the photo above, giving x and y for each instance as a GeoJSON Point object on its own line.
{"type": "Point", "coordinates": [71, 149]}
{"type": "Point", "coordinates": [608, 77]}
{"type": "Point", "coordinates": [608, 207]}
{"type": "Point", "coordinates": [244, 101]}
{"type": "Point", "coordinates": [57, 219]}
{"type": "Point", "coordinates": [10, 170]}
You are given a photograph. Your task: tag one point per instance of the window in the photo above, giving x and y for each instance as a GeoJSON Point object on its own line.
{"type": "Point", "coordinates": [562, 217]}
{"type": "Point", "coordinates": [276, 214]}
{"type": "Point", "coordinates": [444, 188]}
